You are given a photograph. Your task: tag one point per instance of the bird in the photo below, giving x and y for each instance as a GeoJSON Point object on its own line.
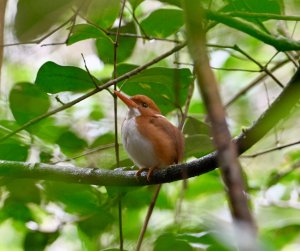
{"type": "Point", "coordinates": [151, 141]}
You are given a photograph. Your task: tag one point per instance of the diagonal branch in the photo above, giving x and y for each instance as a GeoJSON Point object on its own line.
{"type": "Point", "coordinates": [281, 44]}
{"type": "Point", "coordinates": [94, 91]}
{"type": "Point", "coordinates": [278, 110]}
{"type": "Point", "coordinates": [226, 149]}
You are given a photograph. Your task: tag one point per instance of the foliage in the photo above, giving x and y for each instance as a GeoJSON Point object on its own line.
{"type": "Point", "coordinates": [44, 215]}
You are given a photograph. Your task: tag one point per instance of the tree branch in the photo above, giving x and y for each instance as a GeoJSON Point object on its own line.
{"type": "Point", "coordinates": [267, 16]}
{"type": "Point", "coordinates": [278, 110]}
{"type": "Point", "coordinates": [94, 91]}
{"type": "Point", "coordinates": [227, 153]}
{"type": "Point", "coordinates": [2, 20]}
{"type": "Point", "coordinates": [281, 44]}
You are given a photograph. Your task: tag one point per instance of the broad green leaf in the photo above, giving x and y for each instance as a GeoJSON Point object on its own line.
{"type": "Point", "coordinates": [70, 143]}
{"type": "Point", "coordinates": [105, 45]}
{"type": "Point", "coordinates": [198, 141]}
{"type": "Point", "coordinates": [97, 112]}
{"type": "Point", "coordinates": [48, 130]}
{"type": "Point", "coordinates": [54, 78]}
{"type": "Point", "coordinates": [104, 139]}
{"type": "Point", "coordinates": [13, 151]}
{"type": "Point", "coordinates": [204, 185]}
{"type": "Point", "coordinates": [160, 84]}
{"type": "Point", "coordinates": [194, 126]}
{"type": "Point", "coordinates": [103, 12]}
{"type": "Point", "coordinates": [197, 145]}
{"type": "Point", "coordinates": [172, 242]}
{"type": "Point", "coordinates": [135, 3]}
{"type": "Point", "coordinates": [7, 126]}
{"type": "Point", "coordinates": [82, 32]}
{"type": "Point", "coordinates": [27, 101]}
{"type": "Point", "coordinates": [21, 192]}
{"type": "Point", "coordinates": [163, 22]}
{"type": "Point", "coordinates": [37, 240]}
{"type": "Point", "coordinates": [35, 18]}
{"type": "Point", "coordinates": [172, 2]}
{"type": "Point", "coordinates": [76, 198]}
{"type": "Point", "coordinates": [277, 238]}
{"type": "Point", "coordinates": [255, 6]}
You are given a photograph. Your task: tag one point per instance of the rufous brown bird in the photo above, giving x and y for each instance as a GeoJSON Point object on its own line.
{"type": "Point", "coordinates": [150, 140]}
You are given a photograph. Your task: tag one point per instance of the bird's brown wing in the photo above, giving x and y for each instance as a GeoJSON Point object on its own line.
{"type": "Point", "coordinates": [170, 148]}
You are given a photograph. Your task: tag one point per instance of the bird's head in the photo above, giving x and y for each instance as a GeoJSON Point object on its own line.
{"type": "Point", "coordinates": [139, 104]}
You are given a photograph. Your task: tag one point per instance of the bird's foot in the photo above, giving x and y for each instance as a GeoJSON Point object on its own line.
{"type": "Point", "coordinates": [149, 174]}
{"type": "Point", "coordinates": [138, 173]}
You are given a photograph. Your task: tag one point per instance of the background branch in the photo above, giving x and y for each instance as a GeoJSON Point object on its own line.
{"type": "Point", "coordinates": [94, 91]}
{"type": "Point", "coordinates": [227, 153]}
{"type": "Point", "coordinates": [2, 20]}
{"type": "Point", "coordinates": [284, 102]}
{"type": "Point", "coordinates": [281, 44]}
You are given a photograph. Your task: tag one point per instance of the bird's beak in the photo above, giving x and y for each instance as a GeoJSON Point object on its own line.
{"type": "Point", "coordinates": [126, 100]}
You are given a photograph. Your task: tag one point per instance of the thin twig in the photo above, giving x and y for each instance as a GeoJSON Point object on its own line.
{"type": "Point", "coordinates": [270, 150]}
{"type": "Point", "coordinates": [2, 25]}
{"type": "Point", "coordinates": [117, 154]}
{"type": "Point", "coordinates": [254, 83]}
{"type": "Point", "coordinates": [186, 106]}
{"type": "Point", "coordinates": [130, 35]}
{"type": "Point", "coordinates": [93, 92]}
{"type": "Point", "coordinates": [281, 174]}
{"type": "Point", "coordinates": [88, 71]}
{"type": "Point", "coordinates": [149, 213]}
{"type": "Point", "coordinates": [40, 40]}
{"type": "Point", "coordinates": [237, 48]}
{"type": "Point", "coordinates": [221, 68]}
{"type": "Point", "coordinates": [278, 110]}
{"type": "Point", "coordinates": [92, 151]}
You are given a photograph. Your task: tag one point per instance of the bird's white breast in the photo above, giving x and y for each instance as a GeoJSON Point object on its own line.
{"type": "Point", "coordinates": [137, 146]}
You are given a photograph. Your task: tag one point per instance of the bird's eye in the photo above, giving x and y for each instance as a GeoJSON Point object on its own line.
{"type": "Point", "coordinates": [145, 105]}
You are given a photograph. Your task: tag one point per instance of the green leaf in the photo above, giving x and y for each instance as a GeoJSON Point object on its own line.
{"type": "Point", "coordinates": [172, 2]}
{"type": "Point", "coordinates": [103, 12]}
{"type": "Point", "coordinates": [159, 84]}
{"type": "Point", "coordinates": [96, 223]}
{"type": "Point", "coordinates": [257, 6]}
{"type": "Point", "coordinates": [27, 101]}
{"type": "Point", "coordinates": [172, 242]}
{"type": "Point", "coordinates": [105, 45]}
{"type": "Point", "coordinates": [76, 198]}
{"type": "Point", "coordinates": [198, 140]}
{"type": "Point", "coordinates": [37, 240]}
{"type": "Point", "coordinates": [82, 32]}
{"type": "Point", "coordinates": [48, 130]}
{"type": "Point", "coordinates": [70, 143]}
{"type": "Point", "coordinates": [13, 151]}
{"type": "Point", "coordinates": [154, 25]}
{"type": "Point", "coordinates": [207, 184]}
{"type": "Point", "coordinates": [35, 18]}
{"type": "Point", "coordinates": [135, 3]}
{"type": "Point", "coordinates": [194, 126]}
{"type": "Point", "coordinates": [21, 192]}
{"type": "Point", "coordinates": [54, 78]}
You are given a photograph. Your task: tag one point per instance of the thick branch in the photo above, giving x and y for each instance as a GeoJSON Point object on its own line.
{"type": "Point", "coordinates": [227, 152]}
{"type": "Point", "coordinates": [281, 44]}
{"type": "Point", "coordinates": [268, 16]}
{"type": "Point", "coordinates": [278, 110]}
{"type": "Point", "coordinates": [96, 90]}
